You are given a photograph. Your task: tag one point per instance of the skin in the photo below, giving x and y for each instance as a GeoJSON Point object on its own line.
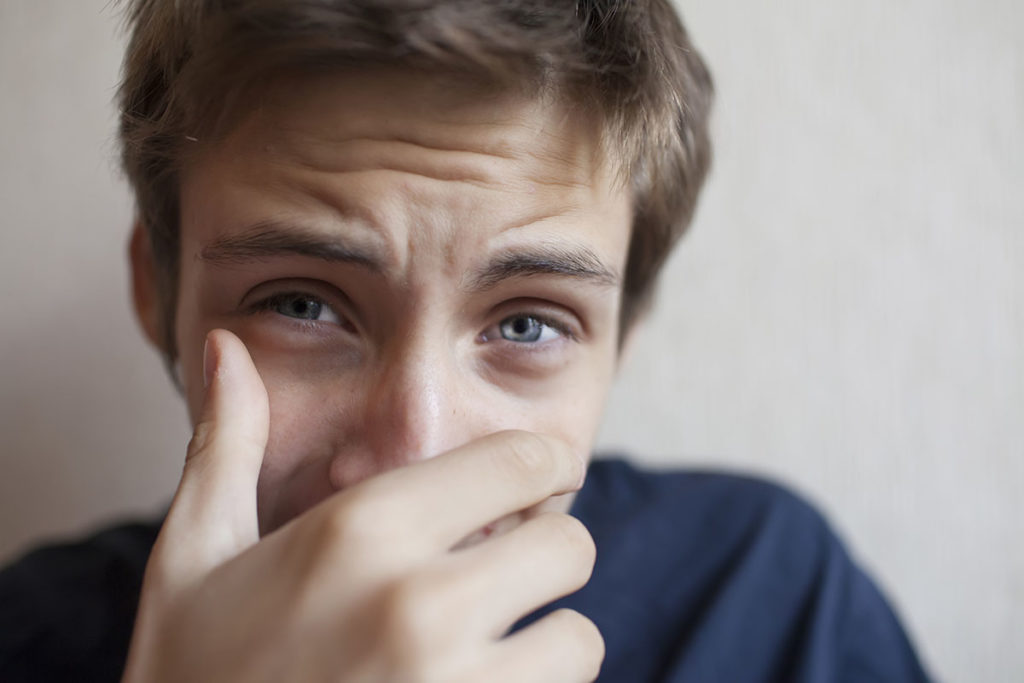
{"type": "Point", "coordinates": [398, 323]}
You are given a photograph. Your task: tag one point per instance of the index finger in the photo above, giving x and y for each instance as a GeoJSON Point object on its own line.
{"type": "Point", "coordinates": [450, 496]}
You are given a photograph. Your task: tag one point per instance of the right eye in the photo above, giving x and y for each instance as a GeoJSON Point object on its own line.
{"type": "Point", "coordinates": [300, 306]}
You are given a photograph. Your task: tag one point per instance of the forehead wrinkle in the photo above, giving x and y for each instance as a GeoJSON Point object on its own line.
{"type": "Point", "coordinates": [337, 205]}
{"type": "Point", "coordinates": [501, 137]}
{"type": "Point", "coordinates": [501, 149]}
{"type": "Point", "coordinates": [448, 152]}
{"type": "Point", "coordinates": [487, 169]}
{"type": "Point", "coordinates": [507, 162]}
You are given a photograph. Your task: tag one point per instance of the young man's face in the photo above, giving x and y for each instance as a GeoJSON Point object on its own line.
{"type": "Point", "coordinates": [410, 267]}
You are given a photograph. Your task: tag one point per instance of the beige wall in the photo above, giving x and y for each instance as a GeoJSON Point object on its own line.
{"type": "Point", "coordinates": [848, 314]}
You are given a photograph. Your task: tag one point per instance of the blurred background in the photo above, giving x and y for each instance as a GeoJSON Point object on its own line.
{"type": "Point", "coordinates": [847, 315]}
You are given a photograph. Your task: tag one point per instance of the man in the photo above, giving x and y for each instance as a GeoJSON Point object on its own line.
{"type": "Point", "coordinates": [392, 250]}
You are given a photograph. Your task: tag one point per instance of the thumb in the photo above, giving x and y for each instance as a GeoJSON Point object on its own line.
{"type": "Point", "coordinates": [213, 515]}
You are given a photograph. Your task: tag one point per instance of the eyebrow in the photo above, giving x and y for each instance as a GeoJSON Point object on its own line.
{"type": "Point", "coordinates": [574, 261]}
{"type": "Point", "coordinates": [270, 239]}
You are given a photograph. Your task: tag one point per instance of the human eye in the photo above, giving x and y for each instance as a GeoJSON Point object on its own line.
{"type": "Point", "coordinates": [527, 328]}
{"type": "Point", "coordinates": [301, 306]}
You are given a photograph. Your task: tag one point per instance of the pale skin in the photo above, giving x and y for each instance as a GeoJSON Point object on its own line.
{"type": "Point", "coordinates": [398, 323]}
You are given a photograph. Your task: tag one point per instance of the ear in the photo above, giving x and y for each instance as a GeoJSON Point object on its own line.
{"type": "Point", "coordinates": [144, 285]}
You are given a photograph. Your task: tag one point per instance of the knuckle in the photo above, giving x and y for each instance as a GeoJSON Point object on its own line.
{"type": "Point", "coordinates": [529, 457]}
{"type": "Point", "coordinates": [410, 613]}
{"type": "Point", "coordinates": [244, 438]}
{"type": "Point", "coordinates": [201, 441]}
{"type": "Point", "coordinates": [571, 535]}
{"type": "Point", "coordinates": [366, 527]}
{"type": "Point", "coordinates": [352, 520]}
{"type": "Point", "coordinates": [583, 639]}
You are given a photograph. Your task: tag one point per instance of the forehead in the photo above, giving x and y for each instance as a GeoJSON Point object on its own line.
{"type": "Point", "coordinates": [386, 150]}
{"type": "Point", "coordinates": [456, 115]}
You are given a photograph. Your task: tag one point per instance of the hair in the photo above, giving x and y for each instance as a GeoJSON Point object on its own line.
{"type": "Point", "coordinates": [190, 64]}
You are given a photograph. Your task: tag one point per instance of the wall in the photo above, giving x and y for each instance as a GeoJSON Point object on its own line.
{"type": "Point", "coordinates": [847, 315]}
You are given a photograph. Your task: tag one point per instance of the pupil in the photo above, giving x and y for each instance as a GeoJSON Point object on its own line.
{"type": "Point", "coordinates": [307, 309]}
{"type": "Point", "coordinates": [521, 329]}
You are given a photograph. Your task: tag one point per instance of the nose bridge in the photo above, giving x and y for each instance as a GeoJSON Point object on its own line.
{"type": "Point", "coordinates": [411, 413]}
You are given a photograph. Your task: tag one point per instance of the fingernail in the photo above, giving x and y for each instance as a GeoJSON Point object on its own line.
{"type": "Point", "coordinates": [209, 363]}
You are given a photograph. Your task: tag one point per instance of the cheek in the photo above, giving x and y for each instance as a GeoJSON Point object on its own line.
{"type": "Point", "coordinates": [190, 339]}
{"type": "Point", "coordinates": [311, 420]}
{"type": "Point", "coordinates": [572, 408]}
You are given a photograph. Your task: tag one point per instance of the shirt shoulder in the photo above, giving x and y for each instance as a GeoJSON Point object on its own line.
{"type": "Point", "coordinates": [712, 519]}
{"type": "Point", "coordinates": [704, 564]}
{"type": "Point", "coordinates": [67, 610]}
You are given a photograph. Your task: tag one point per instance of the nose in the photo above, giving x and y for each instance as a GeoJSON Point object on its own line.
{"type": "Point", "coordinates": [408, 404]}
{"type": "Point", "coordinates": [412, 409]}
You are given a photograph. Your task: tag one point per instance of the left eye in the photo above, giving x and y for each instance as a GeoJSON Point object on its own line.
{"type": "Point", "coordinates": [526, 329]}
{"type": "Point", "coordinates": [303, 307]}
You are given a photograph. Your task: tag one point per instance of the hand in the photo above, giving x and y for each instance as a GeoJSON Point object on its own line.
{"type": "Point", "coordinates": [368, 585]}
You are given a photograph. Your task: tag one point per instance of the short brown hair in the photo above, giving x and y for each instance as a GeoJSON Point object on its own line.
{"type": "Point", "coordinates": [188, 62]}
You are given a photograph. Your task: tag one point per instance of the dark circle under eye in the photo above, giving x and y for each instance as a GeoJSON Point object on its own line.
{"type": "Point", "coordinates": [521, 328]}
{"type": "Point", "coordinates": [299, 307]}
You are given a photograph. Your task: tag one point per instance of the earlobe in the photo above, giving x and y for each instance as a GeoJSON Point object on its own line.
{"type": "Point", "coordinates": [144, 285]}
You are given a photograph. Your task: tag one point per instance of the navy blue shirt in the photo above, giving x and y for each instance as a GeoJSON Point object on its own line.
{"type": "Point", "coordinates": [718, 578]}
{"type": "Point", "coordinates": [699, 577]}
